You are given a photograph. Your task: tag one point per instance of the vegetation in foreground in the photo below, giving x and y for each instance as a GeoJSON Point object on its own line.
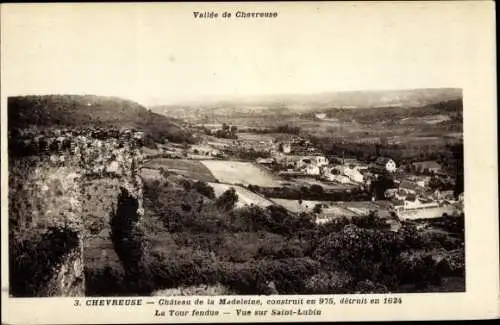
{"type": "Point", "coordinates": [190, 238]}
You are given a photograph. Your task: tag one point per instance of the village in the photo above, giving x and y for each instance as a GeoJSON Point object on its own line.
{"type": "Point", "coordinates": [288, 170]}
{"type": "Point", "coordinates": [264, 169]}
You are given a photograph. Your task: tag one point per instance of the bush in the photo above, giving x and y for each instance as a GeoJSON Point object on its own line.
{"type": "Point", "coordinates": [227, 200]}
{"type": "Point", "coordinates": [368, 287]}
{"type": "Point", "coordinates": [418, 269]}
{"type": "Point", "coordinates": [273, 219]}
{"type": "Point", "coordinates": [328, 282]}
{"type": "Point", "coordinates": [289, 276]}
{"type": "Point", "coordinates": [204, 189]}
{"type": "Point", "coordinates": [366, 254]}
{"type": "Point", "coordinates": [106, 281]}
{"type": "Point", "coordinates": [184, 268]}
{"type": "Point", "coordinates": [372, 221]}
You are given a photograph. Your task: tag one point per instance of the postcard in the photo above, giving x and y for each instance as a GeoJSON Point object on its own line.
{"type": "Point", "coordinates": [248, 162]}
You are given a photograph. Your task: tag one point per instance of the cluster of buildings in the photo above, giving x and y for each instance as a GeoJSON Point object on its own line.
{"type": "Point", "coordinates": [411, 197]}
{"type": "Point", "coordinates": [179, 151]}
{"type": "Point", "coordinates": [203, 151]}
{"type": "Point", "coordinates": [297, 158]}
{"type": "Point", "coordinates": [309, 161]}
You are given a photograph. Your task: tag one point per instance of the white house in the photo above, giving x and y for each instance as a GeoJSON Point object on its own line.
{"type": "Point", "coordinates": [318, 161]}
{"type": "Point", "coordinates": [418, 204]}
{"type": "Point", "coordinates": [390, 193]}
{"type": "Point", "coordinates": [285, 148]}
{"type": "Point", "coordinates": [354, 175]}
{"type": "Point", "coordinates": [337, 178]}
{"type": "Point", "coordinates": [264, 161]}
{"type": "Point", "coordinates": [311, 169]}
{"type": "Point", "coordinates": [329, 173]}
{"type": "Point", "coordinates": [444, 195]}
{"type": "Point", "coordinates": [386, 163]}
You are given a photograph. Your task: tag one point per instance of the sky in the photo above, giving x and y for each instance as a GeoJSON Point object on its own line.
{"type": "Point", "coordinates": [160, 54]}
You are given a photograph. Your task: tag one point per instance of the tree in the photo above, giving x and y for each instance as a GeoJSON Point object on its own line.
{"type": "Point", "coordinates": [317, 208]}
{"type": "Point", "coordinates": [381, 184]}
{"type": "Point", "coordinates": [227, 200]}
{"type": "Point", "coordinates": [317, 189]}
{"type": "Point", "coordinates": [204, 189]}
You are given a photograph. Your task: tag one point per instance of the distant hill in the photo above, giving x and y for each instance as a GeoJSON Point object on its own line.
{"type": "Point", "coordinates": [452, 108]}
{"type": "Point", "coordinates": [46, 111]}
{"type": "Point", "coordinates": [293, 104]}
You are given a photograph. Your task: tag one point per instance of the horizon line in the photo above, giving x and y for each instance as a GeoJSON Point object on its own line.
{"type": "Point", "coordinates": [217, 98]}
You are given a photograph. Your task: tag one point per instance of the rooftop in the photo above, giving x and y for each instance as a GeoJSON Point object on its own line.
{"type": "Point", "coordinates": [382, 160]}
{"type": "Point", "coordinates": [427, 164]}
{"type": "Point", "coordinates": [405, 184]}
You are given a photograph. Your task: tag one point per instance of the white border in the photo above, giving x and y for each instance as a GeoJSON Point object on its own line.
{"type": "Point", "coordinates": [481, 299]}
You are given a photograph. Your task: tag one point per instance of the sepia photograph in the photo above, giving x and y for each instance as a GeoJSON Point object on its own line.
{"type": "Point", "coordinates": [248, 157]}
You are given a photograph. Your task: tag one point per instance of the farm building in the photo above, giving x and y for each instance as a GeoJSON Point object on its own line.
{"type": "Point", "coordinates": [444, 195]}
{"type": "Point", "coordinates": [427, 166]}
{"type": "Point", "coordinates": [409, 187]}
{"type": "Point", "coordinates": [353, 174]}
{"type": "Point", "coordinates": [204, 151]}
{"type": "Point", "coordinates": [421, 181]}
{"type": "Point", "coordinates": [311, 160]}
{"type": "Point", "coordinates": [422, 209]}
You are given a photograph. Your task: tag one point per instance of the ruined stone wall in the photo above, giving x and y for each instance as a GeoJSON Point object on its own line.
{"type": "Point", "coordinates": [68, 277]}
{"type": "Point", "coordinates": [70, 192]}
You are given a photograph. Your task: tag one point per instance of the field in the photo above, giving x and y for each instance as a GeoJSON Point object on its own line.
{"type": "Point", "coordinates": [150, 174]}
{"type": "Point", "coordinates": [188, 168]}
{"type": "Point", "coordinates": [236, 172]}
{"type": "Point", "coordinates": [254, 137]}
{"type": "Point", "coordinates": [337, 209]}
{"type": "Point", "coordinates": [427, 213]}
{"type": "Point", "coordinates": [245, 197]}
{"type": "Point", "coordinates": [325, 185]}
{"type": "Point", "coordinates": [308, 206]}
{"type": "Point", "coordinates": [364, 207]}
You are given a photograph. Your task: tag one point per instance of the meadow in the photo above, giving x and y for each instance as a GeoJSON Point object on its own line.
{"type": "Point", "coordinates": [237, 172]}
{"type": "Point", "coordinates": [188, 168]}
{"type": "Point", "coordinates": [245, 197]}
